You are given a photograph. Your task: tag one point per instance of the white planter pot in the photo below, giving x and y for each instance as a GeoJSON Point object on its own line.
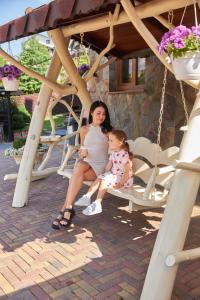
{"type": "Point", "coordinates": [187, 67]}
{"type": "Point", "coordinates": [10, 85]}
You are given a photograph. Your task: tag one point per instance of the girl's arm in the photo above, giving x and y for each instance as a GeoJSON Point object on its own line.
{"type": "Point", "coordinates": [125, 176]}
{"type": "Point", "coordinates": [108, 166]}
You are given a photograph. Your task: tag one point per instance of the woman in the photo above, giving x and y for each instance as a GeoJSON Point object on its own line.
{"type": "Point", "coordinates": [94, 154]}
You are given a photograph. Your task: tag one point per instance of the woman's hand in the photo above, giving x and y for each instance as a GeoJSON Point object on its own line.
{"type": "Point", "coordinates": [83, 152]}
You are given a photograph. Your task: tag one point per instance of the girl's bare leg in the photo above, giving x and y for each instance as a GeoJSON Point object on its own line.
{"type": "Point", "coordinates": [93, 188]}
{"type": "Point", "coordinates": [101, 192]}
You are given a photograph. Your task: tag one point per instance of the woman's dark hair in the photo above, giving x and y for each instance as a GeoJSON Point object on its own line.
{"type": "Point", "coordinates": [105, 126]}
{"type": "Point", "coordinates": [122, 137]}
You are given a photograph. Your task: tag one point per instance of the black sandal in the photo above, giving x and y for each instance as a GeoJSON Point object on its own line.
{"type": "Point", "coordinates": [67, 222]}
{"type": "Point", "coordinates": [56, 222]}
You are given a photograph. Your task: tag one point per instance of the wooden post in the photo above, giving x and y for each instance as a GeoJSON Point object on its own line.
{"type": "Point", "coordinates": [181, 256]}
{"type": "Point", "coordinates": [26, 166]}
{"type": "Point", "coordinates": [65, 57]}
{"type": "Point", "coordinates": [171, 236]}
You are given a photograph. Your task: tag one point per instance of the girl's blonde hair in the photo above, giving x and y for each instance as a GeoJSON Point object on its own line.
{"type": "Point", "coordinates": [122, 137]}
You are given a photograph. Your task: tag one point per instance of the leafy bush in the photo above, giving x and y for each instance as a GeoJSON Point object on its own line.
{"type": "Point", "coordinates": [18, 121]}
{"type": "Point", "coordinates": [22, 109]}
{"type": "Point", "coordinates": [20, 116]}
{"type": "Point", "coordinates": [18, 143]}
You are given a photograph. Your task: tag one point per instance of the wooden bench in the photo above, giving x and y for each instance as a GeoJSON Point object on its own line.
{"type": "Point", "coordinates": [142, 194]}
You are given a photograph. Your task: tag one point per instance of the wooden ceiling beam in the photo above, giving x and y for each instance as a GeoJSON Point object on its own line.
{"type": "Point", "coordinates": [149, 38]}
{"type": "Point", "coordinates": [149, 9]}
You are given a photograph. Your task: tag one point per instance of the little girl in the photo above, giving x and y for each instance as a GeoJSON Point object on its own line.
{"type": "Point", "coordinates": [118, 173]}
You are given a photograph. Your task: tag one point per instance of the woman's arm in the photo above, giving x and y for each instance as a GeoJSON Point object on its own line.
{"type": "Point", "coordinates": [83, 132]}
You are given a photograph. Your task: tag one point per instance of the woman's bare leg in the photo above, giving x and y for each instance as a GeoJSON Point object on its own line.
{"type": "Point", "coordinates": [83, 171]}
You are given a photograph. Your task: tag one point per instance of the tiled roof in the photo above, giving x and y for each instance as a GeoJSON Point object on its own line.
{"type": "Point", "coordinates": [55, 14]}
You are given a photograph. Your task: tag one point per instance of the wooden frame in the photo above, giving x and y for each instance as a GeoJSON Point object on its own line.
{"type": "Point", "coordinates": [122, 86]}
{"type": "Point", "coordinates": [171, 236]}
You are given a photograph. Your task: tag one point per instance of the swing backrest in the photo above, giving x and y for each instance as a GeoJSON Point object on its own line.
{"type": "Point", "coordinates": [147, 154]}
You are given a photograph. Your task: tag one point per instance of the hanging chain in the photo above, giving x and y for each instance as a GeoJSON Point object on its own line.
{"type": "Point", "coordinates": [184, 101]}
{"type": "Point", "coordinates": [184, 11]}
{"type": "Point", "coordinates": [162, 107]}
{"type": "Point", "coordinates": [68, 122]}
{"type": "Point", "coordinates": [195, 13]}
{"type": "Point", "coordinates": [171, 16]}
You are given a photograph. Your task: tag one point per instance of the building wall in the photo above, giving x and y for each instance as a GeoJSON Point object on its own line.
{"type": "Point", "coordinates": [137, 112]}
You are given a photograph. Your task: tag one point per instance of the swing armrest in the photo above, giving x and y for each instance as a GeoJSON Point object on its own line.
{"type": "Point", "coordinates": [167, 169]}
{"type": "Point", "coordinates": [67, 137]}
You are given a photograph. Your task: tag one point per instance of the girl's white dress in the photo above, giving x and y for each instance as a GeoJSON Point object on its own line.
{"type": "Point", "coordinates": [119, 160]}
{"type": "Point", "coordinates": [96, 144]}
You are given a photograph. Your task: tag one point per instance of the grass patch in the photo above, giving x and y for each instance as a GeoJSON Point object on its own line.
{"type": "Point", "coordinates": [58, 119]}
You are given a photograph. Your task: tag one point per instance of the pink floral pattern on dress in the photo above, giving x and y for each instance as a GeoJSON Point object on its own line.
{"type": "Point", "coordinates": [119, 160]}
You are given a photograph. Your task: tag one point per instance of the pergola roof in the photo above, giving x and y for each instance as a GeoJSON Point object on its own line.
{"type": "Point", "coordinates": [65, 12]}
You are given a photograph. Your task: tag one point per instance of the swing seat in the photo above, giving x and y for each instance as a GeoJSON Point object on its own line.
{"type": "Point", "coordinates": [142, 194]}
{"type": "Point", "coordinates": [49, 138]}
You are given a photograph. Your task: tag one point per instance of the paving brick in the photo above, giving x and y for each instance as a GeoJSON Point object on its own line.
{"type": "Point", "coordinates": [102, 257]}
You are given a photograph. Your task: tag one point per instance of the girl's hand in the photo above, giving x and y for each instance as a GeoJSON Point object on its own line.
{"type": "Point", "coordinates": [118, 185]}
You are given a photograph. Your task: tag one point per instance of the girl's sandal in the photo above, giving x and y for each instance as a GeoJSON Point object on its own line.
{"type": "Point", "coordinates": [56, 222]}
{"type": "Point", "coordinates": [66, 222]}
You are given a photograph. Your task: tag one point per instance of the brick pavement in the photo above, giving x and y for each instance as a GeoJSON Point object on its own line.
{"type": "Point", "coordinates": [100, 257]}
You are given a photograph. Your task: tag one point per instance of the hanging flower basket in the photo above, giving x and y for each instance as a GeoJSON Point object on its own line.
{"type": "Point", "coordinates": [9, 75]}
{"type": "Point", "coordinates": [10, 85]}
{"type": "Point", "coordinates": [187, 67]}
{"type": "Point", "coordinates": [183, 46]}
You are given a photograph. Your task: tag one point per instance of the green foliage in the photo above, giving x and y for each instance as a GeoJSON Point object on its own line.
{"type": "Point", "coordinates": [18, 121]}
{"type": "Point", "coordinates": [59, 122]}
{"type": "Point", "coordinates": [26, 115]}
{"type": "Point", "coordinates": [2, 61]}
{"type": "Point", "coordinates": [191, 43]}
{"type": "Point", "coordinates": [20, 116]}
{"type": "Point", "coordinates": [18, 143]}
{"type": "Point", "coordinates": [36, 57]}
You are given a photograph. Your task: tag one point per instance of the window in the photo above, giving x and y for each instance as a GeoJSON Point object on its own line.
{"type": "Point", "coordinates": [130, 73]}
{"type": "Point", "coordinates": [141, 63]}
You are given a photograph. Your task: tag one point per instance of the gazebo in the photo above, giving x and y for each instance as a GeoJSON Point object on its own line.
{"type": "Point", "coordinates": [118, 28]}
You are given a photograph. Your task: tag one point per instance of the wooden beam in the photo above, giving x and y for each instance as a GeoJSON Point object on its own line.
{"type": "Point", "coordinates": [32, 141]}
{"type": "Point", "coordinates": [149, 9]}
{"type": "Point", "coordinates": [55, 86]}
{"type": "Point", "coordinates": [109, 46]}
{"type": "Point", "coordinates": [188, 166]}
{"type": "Point", "coordinates": [109, 62]}
{"type": "Point", "coordinates": [67, 61]}
{"type": "Point", "coordinates": [182, 256]}
{"type": "Point", "coordinates": [175, 222]}
{"type": "Point", "coordinates": [164, 22]}
{"type": "Point", "coordinates": [149, 38]}
{"type": "Point", "coordinates": [138, 53]}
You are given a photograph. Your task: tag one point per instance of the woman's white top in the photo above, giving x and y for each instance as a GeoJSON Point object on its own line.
{"type": "Point", "coordinates": [96, 144]}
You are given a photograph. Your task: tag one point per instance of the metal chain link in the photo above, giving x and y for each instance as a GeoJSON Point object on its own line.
{"type": "Point", "coordinates": [171, 16]}
{"type": "Point", "coordinates": [68, 122]}
{"type": "Point", "coordinates": [184, 101]}
{"type": "Point", "coordinates": [162, 107]}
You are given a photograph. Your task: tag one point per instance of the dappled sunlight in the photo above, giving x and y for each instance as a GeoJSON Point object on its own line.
{"type": "Point", "coordinates": [106, 253]}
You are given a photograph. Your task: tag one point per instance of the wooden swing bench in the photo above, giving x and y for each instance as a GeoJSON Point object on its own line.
{"type": "Point", "coordinates": [151, 166]}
